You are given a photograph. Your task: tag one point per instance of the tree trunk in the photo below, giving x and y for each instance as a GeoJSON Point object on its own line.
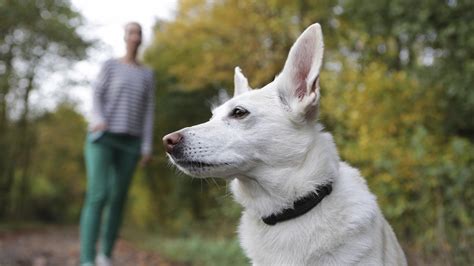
{"type": "Point", "coordinates": [24, 146]}
{"type": "Point", "coordinates": [6, 178]}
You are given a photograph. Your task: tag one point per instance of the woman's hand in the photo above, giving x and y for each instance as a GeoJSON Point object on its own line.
{"type": "Point", "coordinates": [146, 159]}
{"type": "Point", "coordinates": [99, 127]}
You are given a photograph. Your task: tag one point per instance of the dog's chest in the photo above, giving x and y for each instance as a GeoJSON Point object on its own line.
{"type": "Point", "coordinates": [288, 243]}
{"type": "Point", "coordinates": [330, 234]}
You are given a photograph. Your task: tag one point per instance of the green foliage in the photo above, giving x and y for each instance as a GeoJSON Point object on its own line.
{"type": "Point", "coordinates": [193, 250]}
{"type": "Point", "coordinates": [36, 39]}
{"type": "Point", "coordinates": [36, 28]}
{"type": "Point", "coordinates": [208, 40]}
{"type": "Point", "coordinates": [57, 188]}
{"type": "Point", "coordinates": [57, 180]}
{"type": "Point", "coordinates": [430, 37]}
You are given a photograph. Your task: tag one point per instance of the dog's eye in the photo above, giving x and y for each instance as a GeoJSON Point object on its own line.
{"type": "Point", "coordinates": [239, 112]}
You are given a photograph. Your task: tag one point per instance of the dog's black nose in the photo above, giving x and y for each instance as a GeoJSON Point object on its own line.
{"type": "Point", "coordinates": [171, 140]}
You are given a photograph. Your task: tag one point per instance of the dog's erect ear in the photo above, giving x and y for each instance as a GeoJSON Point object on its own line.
{"type": "Point", "coordinates": [241, 85]}
{"type": "Point", "coordinates": [298, 83]}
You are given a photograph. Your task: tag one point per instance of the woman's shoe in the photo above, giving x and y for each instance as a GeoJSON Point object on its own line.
{"type": "Point", "coordinates": [102, 260]}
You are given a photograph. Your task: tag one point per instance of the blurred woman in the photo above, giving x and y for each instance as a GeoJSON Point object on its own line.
{"type": "Point", "coordinates": [120, 131]}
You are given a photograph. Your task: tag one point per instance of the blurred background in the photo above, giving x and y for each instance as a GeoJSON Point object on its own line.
{"type": "Point", "coordinates": [397, 94]}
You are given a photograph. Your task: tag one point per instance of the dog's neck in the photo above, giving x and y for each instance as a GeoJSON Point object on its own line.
{"type": "Point", "coordinates": [270, 190]}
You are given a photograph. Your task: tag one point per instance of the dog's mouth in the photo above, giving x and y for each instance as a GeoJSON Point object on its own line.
{"type": "Point", "coordinates": [202, 168]}
{"type": "Point", "coordinates": [199, 164]}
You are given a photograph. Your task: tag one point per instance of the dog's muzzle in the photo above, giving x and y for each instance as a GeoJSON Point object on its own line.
{"type": "Point", "coordinates": [171, 142]}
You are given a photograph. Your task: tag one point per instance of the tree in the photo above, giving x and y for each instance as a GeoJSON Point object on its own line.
{"type": "Point", "coordinates": [37, 38]}
{"type": "Point", "coordinates": [207, 40]}
{"type": "Point", "coordinates": [431, 39]}
{"type": "Point", "coordinates": [57, 167]}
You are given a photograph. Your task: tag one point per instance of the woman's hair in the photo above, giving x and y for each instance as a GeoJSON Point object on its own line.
{"type": "Point", "coordinates": [132, 23]}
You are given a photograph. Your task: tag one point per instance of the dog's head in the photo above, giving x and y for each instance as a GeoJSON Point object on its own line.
{"type": "Point", "coordinates": [257, 128]}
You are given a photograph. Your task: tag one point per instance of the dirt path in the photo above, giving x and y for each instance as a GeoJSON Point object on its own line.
{"type": "Point", "coordinates": [60, 246]}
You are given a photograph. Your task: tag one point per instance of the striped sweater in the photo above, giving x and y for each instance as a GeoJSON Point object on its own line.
{"type": "Point", "coordinates": [124, 100]}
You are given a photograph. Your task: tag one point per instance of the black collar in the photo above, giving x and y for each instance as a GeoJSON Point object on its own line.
{"type": "Point", "coordinates": [300, 206]}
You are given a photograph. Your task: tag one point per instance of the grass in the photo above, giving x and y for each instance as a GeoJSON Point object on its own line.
{"type": "Point", "coordinates": [192, 250]}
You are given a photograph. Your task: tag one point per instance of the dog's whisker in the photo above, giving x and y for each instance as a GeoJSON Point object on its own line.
{"type": "Point", "coordinates": [215, 182]}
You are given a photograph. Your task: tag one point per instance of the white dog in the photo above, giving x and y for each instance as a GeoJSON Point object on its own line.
{"type": "Point", "coordinates": [303, 206]}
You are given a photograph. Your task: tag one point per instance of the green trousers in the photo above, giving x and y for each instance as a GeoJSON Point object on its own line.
{"type": "Point", "coordinates": [110, 163]}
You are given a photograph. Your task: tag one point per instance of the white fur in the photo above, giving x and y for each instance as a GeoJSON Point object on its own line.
{"type": "Point", "coordinates": [241, 85]}
{"type": "Point", "coordinates": [277, 154]}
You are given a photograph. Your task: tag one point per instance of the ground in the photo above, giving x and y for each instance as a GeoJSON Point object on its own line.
{"type": "Point", "coordinates": [59, 246]}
